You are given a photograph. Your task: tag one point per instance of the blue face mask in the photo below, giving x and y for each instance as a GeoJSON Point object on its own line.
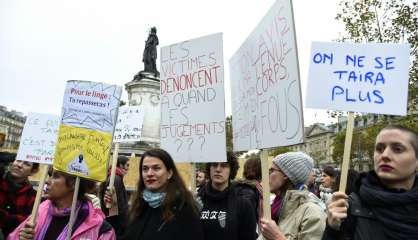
{"type": "Point", "coordinates": [154, 199]}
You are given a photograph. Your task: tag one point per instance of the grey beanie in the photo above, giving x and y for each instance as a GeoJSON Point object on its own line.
{"type": "Point", "coordinates": [295, 165]}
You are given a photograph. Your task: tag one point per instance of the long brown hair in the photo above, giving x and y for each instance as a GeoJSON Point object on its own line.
{"type": "Point", "coordinates": [176, 191]}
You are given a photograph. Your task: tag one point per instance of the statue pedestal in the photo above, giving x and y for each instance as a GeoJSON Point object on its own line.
{"type": "Point", "coordinates": [144, 91]}
{"type": "Point", "coordinates": [147, 75]}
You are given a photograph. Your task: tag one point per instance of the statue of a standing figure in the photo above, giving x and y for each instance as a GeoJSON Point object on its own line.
{"type": "Point", "coordinates": [150, 52]}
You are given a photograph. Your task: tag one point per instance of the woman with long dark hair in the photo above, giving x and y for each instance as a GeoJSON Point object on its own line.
{"type": "Point", "coordinates": [162, 207]}
{"type": "Point", "coordinates": [329, 183]}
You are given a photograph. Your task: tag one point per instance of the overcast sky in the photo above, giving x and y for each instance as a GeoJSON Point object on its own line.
{"type": "Point", "coordinates": [45, 43]}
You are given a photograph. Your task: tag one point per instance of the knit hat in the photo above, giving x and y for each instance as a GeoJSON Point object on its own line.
{"type": "Point", "coordinates": [295, 165]}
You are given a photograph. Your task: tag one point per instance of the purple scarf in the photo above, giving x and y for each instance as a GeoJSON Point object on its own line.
{"type": "Point", "coordinates": [53, 211]}
{"type": "Point", "coordinates": [275, 208]}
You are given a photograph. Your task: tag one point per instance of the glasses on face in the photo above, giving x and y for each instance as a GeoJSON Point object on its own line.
{"type": "Point", "coordinates": [272, 170]}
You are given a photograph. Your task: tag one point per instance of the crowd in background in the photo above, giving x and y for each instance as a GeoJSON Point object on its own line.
{"type": "Point", "coordinates": [305, 203]}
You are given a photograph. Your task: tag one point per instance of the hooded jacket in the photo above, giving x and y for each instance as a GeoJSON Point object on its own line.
{"type": "Point", "coordinates": [229, 214]}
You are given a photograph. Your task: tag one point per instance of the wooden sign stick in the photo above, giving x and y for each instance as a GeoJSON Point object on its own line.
{"type": "Point", "coordinates": [113, 171]}
{"type": "Point", "coordinates": [193, 177]}
{"type": "Point", "coordinates": [265, 184]}
{"type": "Point", "coordinates": [73, 205]}
{"type": "Point", "coordinates": [347, 151]}
{"type": "Point", "coordinates": [44, 173]}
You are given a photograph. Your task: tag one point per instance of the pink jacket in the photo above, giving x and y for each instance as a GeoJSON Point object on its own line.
{"type": "Point", "coordinates": [89, 229]}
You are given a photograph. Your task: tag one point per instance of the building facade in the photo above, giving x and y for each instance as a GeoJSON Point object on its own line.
{"type": "Point", "coordinates": [11, 127]}
{"type": "Point", "coordinates": [318, 144]}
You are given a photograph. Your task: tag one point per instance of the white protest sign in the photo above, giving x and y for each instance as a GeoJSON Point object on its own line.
{"type": "Point", "coordinates": [370, 77]}
{"type": "Point", "coordinates": [91, 105]}
{"type": "Point", "coordinates": [39, 138]}
{"type": "Point", "coordinates": [192, 100]}
{"type": "Point", "coordinates": [129, 124]}
{"type": "Point", "coordinates": [266, 98]}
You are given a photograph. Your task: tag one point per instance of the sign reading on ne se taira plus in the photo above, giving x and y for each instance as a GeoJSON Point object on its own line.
{"type": "Point", "coordinates": [85, 134]}
{"type": "Point", "coordinates": [129, 124]}
{"type": "Point", "coordinates": [192, 100]}
{"type": "Point", "coordinates": [266, 98]}
{"type": "Point", "coordinates": [370, 77]}
{"type": "Point", "coordinates": [39, 137]}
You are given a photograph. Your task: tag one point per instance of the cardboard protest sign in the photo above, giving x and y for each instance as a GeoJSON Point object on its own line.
{"type": "Point", "coordinates": [85, 135]}
{"type": "Point", "coordinates": [266, 98]}
{"type": "Point", "coordinates": [91, 105]}
{"type": "Point", "coordinates": [370, 77]}
{"type": "Point", "coordinates": [39, 138]}
{"type": "Point", "coordinates": [129, 124]}
{"type": "Point", "coordinates": [37, 144]}
{"type": "Point", "coordinates": [192, 125]}
{"type": "Point", "coordinates": [82, 151]}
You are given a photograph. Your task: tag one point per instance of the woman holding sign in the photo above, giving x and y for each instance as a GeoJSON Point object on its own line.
{"type": "Point", "coordinates": [163, 208]}
{"type": "Point", "coordinates": [54, 214]}
{"type": "Point", "coordinates": [385, 203]}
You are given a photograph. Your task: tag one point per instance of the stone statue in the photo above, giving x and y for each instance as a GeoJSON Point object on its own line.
{"type": "Point", "coordinates": [150, 52]}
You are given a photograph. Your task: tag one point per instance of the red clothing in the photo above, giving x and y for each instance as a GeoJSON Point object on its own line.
{"type": "Point", "coordinates": [16, 203]}
{"type": "Point", "coordinates": [118, 172]}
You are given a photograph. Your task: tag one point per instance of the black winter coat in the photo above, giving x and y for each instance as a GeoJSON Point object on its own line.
{"type": "Point", "coordinates": [360, 224]}
{"type": "Point", "coordinates": [376, 212]}
{"type": "Point", "coordinates": [241, 213]}
{"type": "Point", "coordinates": [118, 222]}
{"type": "Point", "coordinates": [151, 226]}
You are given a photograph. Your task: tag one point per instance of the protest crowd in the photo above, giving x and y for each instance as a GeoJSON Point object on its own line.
{"type": "Point", "coordinates": [81, 192]}
{"type": "Point", "coordinates": [381, 203]}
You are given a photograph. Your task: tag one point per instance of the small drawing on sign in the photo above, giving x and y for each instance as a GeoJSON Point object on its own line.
{"type": "Point", "coordinates": [78, 165]}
